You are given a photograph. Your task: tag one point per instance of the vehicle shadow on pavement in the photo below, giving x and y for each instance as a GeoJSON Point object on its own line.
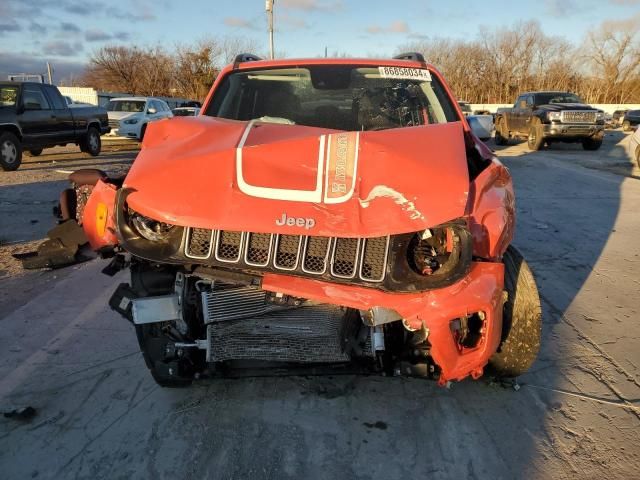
{"type": "Point", "coordinates": [573, 226]}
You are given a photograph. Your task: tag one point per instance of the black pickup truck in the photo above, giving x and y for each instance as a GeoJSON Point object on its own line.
{"type": "Point", "coordinates": [547, 117]}
{"type": "Point", "coordinates": [34, 116]}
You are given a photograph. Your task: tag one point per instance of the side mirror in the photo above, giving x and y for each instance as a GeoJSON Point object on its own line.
{"type": "Point", "coordinates": [151, 111]}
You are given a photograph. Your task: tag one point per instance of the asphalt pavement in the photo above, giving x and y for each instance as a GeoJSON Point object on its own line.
{"type": "Point", "coordinates": [576, 414]}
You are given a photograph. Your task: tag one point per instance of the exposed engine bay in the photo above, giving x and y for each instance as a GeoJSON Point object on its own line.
{"type": "Point", "coordinates": [203, 326]}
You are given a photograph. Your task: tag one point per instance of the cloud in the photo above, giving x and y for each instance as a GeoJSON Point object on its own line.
{"type": "Point", "coordinates": [397, 26]}
{"type": "Point", "coordinates": [137, 11]}
{"type": "Point", "coordinates": [123, 36]}
{"type": "Point", "coordinates": [96, 35]}
{"type": "Point", "coordinates": [310, 5]}
{"type": "Point", "coordinates": [294, 23]}
{"type": "Point", "coordinates": [625, 2]}
{"type": "Point", "coordinates": [38, 28]}
{"type": "Point", "coordinates": [238, 22]}
{"type": "Point", "coordinates": [27, 62]}
{"type": "Point", "coordinates": [62, 49]}
{"type": "Point", "coordinates": [560, 7]}
{"type": "Point", "coordinates": [9, 28]}
{"type": "Point", "coordinates": [69, 27]}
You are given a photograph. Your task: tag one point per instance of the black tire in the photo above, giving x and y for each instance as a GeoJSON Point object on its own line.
{"type": "Point", "coordinates": [91, 142]}
{"type": "Point", "coordinates": [499, 138]}
{"type": "Point", "coordinates": [591, 143]}
{"type": "Point", "coordinates": [521, 320]}
{"type": "Point", "coordinates": [535, 140]}
{"type": "Point", "coordinates": [626, 126]}
{"type": "Point", "coordinates": [35, 152]}
{"type": "Point", "coordinates": [10, 152]}
{"type": "Point", "coordinates": [143, 130]}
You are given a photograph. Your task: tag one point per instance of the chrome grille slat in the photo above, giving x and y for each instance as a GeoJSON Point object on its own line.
{"type": "Point", "coordinates": [229, 246]}
{"type": "Point", "coordinates": [199, 243]}
{"type": "Point", "coordinates": [257, 252]}
{"type": "Point", "coordinates": [345, 257]}
{"type": "Point", "coordinates": [315, 256]}
{"type": "Point", "coordinates": [373, 262]}
{"type": "Point", "coordinates": [578, 116]}
{"type": "Point", "coordinates": [287, 252]}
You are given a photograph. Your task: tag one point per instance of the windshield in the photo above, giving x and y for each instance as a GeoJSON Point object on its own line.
{"type": "Point", "coordinates": [343, 97]}
{"type": "Point", "coordinates": [126, 106]}
{"type": "Point", "coordinates": [8, 96]}
{"type": "Point", "coordinates": [557, 97]}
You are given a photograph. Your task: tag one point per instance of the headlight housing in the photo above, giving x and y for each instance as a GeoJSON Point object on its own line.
{"type": "Point", "coordinates": [600, 116]}
{"type": "Point", "coordinates": [554, 116]}
{"type": "Point", "coordinates": [131, 121]}
{"type": "Point", "coordinates": [149, 228]}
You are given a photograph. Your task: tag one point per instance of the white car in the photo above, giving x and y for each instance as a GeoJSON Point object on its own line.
{"type": "Point", "coordinates": [129, 116]}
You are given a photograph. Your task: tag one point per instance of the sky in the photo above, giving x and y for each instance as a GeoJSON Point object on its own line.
{"type": "Point", "coordinates": [66, 32]}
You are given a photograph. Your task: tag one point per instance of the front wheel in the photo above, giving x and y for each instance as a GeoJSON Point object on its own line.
{"type": "Point", "coordinates": [91, 142]}
{"type": "Point", "coordinates": [535, 139]}
{"type": "Point", "coordinates": [521, 318]}
{"type": "Point", "coordinates": [10, 152]}
{"type": "Point", "coordinates": [591, 143]}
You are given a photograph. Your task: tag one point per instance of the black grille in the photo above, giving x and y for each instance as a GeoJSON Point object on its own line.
{"type": "Point", "coordinates": [258, 245]}
{"type": "Point", "coordinates": [315, 259]}
{"type": "Point", "coordinates": [345, 257]}
{"type": "Point", "coordinates": [373, 258]}
{"type": "Point", "coordinates": [199, 245]}
{"type": "Point", "coordinates": [579, 116]}
{"type": "Point", "coordinates": [229, 246]}
{"type": "Point", "coordinates": [287, 251]}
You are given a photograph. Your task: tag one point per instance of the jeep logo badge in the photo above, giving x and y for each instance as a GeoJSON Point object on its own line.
{"type": "Point", "coordinates": [295, 221]}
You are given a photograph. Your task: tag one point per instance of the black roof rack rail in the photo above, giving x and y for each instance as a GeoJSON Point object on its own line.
{"type": "Point", "coordinates": [415, 56]}
{"type": "Point", "coordinates": [245, 57]}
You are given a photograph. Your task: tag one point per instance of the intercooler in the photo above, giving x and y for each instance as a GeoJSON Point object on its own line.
{"type": "Point", "coordinates": [243, 325]}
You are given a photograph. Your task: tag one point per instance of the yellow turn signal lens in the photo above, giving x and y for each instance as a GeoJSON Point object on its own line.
{"type": "Point", "coordinates": [101, 219]}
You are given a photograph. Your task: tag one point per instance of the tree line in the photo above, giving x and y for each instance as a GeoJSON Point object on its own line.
{"type": "Point", "coordinates": [498, 65]}
{"type": "Point", "coordinates": [494, 67]}
{"type": "Point", "coordinates": [186, 71]}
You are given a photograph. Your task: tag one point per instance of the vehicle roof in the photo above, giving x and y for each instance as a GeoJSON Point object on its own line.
{"type": "Point", "coordinates": [138, 99]}
{"type": "Point", "coordinates": [545, 91]}
{"type": "Point", "coordinates": [13, 84]}
{"type": "Point", "coordinates": [289, 62]}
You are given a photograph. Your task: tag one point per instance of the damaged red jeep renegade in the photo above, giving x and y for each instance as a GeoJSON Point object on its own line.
{"type": "Point", "coordinates": [319, 216]}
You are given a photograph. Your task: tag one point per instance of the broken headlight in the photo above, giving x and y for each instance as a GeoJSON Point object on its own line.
{"type": "Point", "coordinates": [149, 228]}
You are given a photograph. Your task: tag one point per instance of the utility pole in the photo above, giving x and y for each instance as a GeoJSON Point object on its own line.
{"type": "Point", "coordinates": [269, 9]}
{"type": "Point", "coordinates": [50, 73]}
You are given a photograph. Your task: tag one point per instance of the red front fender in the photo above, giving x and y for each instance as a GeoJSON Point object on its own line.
{"type": "Point", "coordinates": [98, 220]}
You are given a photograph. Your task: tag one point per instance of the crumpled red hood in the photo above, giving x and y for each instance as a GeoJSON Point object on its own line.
{"type": "Point", "coordinates": [265, 177]}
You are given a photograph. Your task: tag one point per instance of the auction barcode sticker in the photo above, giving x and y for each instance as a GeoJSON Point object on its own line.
{"type": "Point", "coordinates": [405, 73]}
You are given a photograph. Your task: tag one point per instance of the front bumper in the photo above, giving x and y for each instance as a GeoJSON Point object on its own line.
{"type": "Point", "coordinates": [129, 131]}
{"type": "Point", "coordinates": [481, 290]}
{"type": "Point", "coordinates": [572, 130]}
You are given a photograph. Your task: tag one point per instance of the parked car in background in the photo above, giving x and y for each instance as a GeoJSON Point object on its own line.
{"type": "Point", "coordinates": [481, 124]}
{"type": "Point", "coordinates": [634, 146]}
{"type": "Point", "coordinates": [618, 117]}
{"type": "Point", "coordinates": [465, 107]}
{"type": "Point", "coordinates": [631, 120]}
{"type": "Point", "coordinates": [34, 116]}
{"type": "Point", "coordinates": [547, 117]}
{"type": "Point", "coordinates": [185, 111]}
{"type": "Point", "coordinates": [129, 116]}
